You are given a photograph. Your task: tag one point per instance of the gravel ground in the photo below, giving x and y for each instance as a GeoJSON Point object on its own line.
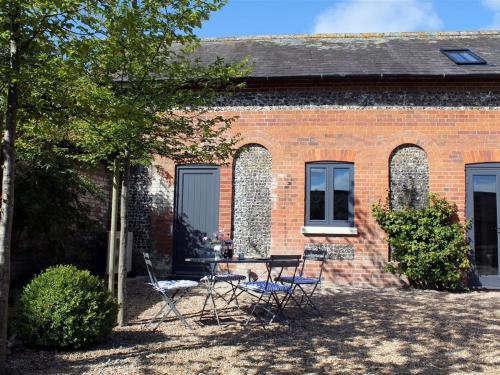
{"type": "Point", "coordinates": [388, 331]}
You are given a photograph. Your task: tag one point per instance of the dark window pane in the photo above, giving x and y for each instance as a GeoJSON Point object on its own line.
{"type": "Point", "coordinates": [341, 205]}
{"type": "Point", "coordinates": [468, 57]}
{"type": "Point", "coordinates": [317, 193]}
{"type": "Point", "coordinates": [485, 225]}
{"type": "Point", "coordinates": [341, 184]}
{"type": "Point", "coordinates": [463, 57]}
{"type": "Point", "coordinates": [458, 57]}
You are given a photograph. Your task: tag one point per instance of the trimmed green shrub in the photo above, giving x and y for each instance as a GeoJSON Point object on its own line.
{"type": "Point", "coordinates": [66, 308]}
{"type": "Point", "coordinates": [428, 245]}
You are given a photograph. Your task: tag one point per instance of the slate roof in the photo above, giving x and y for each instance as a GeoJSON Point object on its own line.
{"type": "Point", "coordinates": [357, 55]}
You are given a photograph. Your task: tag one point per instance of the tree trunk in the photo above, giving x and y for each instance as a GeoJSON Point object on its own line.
{"type": "Point", "coordinates": [122, 252]}
{"type": "Point", "coordinates": [112, 232]}
{"type": "Point", "coordinates": [7, 207]}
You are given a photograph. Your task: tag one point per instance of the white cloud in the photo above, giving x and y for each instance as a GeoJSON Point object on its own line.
{"type": "Point", "coordinates": [494, 6]}
{"type": "Point", "coordinates": [355, 16]}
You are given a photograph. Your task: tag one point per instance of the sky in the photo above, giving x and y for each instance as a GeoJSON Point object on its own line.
{"type": "Point", "coordinates": [275, 17]}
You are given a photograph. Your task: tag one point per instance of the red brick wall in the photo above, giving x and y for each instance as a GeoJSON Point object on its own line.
{"type": "Point", "coordinates": [451, 138]}
{"type": "Point", "coordinates": [100, 208]}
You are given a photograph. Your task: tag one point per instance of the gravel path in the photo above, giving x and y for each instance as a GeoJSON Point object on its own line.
{"type": "Point", "coordinates": [388, 331]}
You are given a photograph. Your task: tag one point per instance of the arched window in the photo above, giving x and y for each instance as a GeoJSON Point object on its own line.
{"type": "Point", "coordinates": [252, 178]}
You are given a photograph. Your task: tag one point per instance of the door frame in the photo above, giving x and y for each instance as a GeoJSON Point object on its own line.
{"type": "Point", "coordinates": [476, 280]}
{"type": "Point", "coordinates": [177, 196]}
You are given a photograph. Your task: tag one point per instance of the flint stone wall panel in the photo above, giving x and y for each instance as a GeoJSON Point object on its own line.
{"type": "Point", "coordinates": [335, 251]}
{"type": "Point", "coordinates": [409, 177]}
{"type": "Point", "coordinates": [252, 201]}
{"type": "Point", "coordinates": [148, 195]}
{"type": "Point", "coordinates": [303, 99]}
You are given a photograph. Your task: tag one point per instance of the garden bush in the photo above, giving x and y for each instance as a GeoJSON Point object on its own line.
{"type": "Point", "coordinates": [428, 245]}
{"type": "Point", "coordinates": [66, 308]}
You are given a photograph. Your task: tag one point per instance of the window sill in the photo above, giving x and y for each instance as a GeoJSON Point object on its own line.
{"type": "Point", "coordinates": [346, 231]}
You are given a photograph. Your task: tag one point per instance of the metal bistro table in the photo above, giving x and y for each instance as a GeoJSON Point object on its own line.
{"type": "Point", "coordinates": [214, 277]}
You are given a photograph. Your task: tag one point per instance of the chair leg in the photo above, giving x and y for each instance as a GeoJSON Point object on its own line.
{"type": "Point", "coordinates": [204, 306]}
{"type": "Point", "coordinates": [268, 303]}
{"type": "Point", "coordinates": [233, 295]}
{"type": "Point", "coordinates": [150, 323]}
{"type": "Point", "coordinates": [280, 305]}
{"type": "Point", "coordinates": [308, 299]}
{"type": "Point", "coordinates": [170, 302]}
{"type": "Point", "coordinates": [298, 303]}
{"type": "Point", "coordinates": [253, 310]}
{"type": "Point", "coordinates": [276, 299]}
{"type": "Point", "coordinates": [164, 316]}
{"type": "Point", "coordinates": [290, 295]}
{"type": "Point", "coordinates": [214, 307]}
{"type": "Point", "coordinates": [182, 318]}
{"type": "Point", "coordinates": [161, 310]}
{"type": "Point", "coordinates": [236, 295]}
{"type": "Point", "coordinates": [213, 294]}
{"type": "Point", "coordinates": [221, 295]}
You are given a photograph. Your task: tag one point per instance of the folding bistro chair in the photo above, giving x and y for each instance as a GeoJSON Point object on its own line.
{"type": "Point", "coordinates": [307, 285]}
{"type": "Point", "coordinates": [272, 296]}
{"type": "Point", "coordinates": [217, 277]}
{"type": "Point", "coordinates": [171, 291]}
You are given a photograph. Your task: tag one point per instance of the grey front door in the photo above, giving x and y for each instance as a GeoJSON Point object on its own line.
{"type": "Point", "coordinates": [483, 209]}
{"type": "Point", "coordinates": [196, 215]}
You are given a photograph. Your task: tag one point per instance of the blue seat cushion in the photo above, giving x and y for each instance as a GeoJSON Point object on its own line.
{"type": "Point", "coordinates": [229, 277]}
{"type": "Point", "coordinates": [262, 287]}
{"type": "Point", "coordinates": [299, 280]}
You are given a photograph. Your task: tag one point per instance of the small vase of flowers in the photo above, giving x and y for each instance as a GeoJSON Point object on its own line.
{"type": "Point", "coordinates": [221, 246]}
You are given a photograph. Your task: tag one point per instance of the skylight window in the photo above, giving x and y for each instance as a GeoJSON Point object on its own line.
{"type": "Point", "coordinates": [463, 56]}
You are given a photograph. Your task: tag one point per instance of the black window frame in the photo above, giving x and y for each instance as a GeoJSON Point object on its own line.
{"type": "Point", "coordinates": [329, 212]}
{"type": "Point", "coordinates": [448, 53]}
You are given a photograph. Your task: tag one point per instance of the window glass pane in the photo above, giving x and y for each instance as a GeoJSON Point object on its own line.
{"type": "Point", "coordinates": [317, 193]}
{"type": "Point", "coordinates": [468, 57]}
{"type": "Point", "coordinates": [341, 187]}
{"type": "Point", "coordinates": [458, 57]}
{"type": "Point", "coordinates": [463, 57]}
{"type": "Point", "coordinates": [485, 225]}
{"type": "Point", "coordinates": [485, 184]}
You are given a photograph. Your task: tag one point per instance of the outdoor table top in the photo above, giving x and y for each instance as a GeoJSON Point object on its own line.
{"type": "Point", "coordinates": [228, 260]}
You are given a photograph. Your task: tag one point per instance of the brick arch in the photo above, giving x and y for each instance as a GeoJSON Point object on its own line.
{"type": "Point", "coordinates": [491, 156]}
{"type": "Point", "coordinates": [330, 155]}
{"type": "Point", "coordinates": [252, 139]}
{"type": "Point", "coordinates": [424, 142]}
{"type": "Point", "coordinates": [252, 206]}
{"type": "Point", "coordinates": [403, 145]}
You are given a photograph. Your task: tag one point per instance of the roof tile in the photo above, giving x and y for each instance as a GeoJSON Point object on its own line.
{"type": "Point", "coordinates": [408, 54]}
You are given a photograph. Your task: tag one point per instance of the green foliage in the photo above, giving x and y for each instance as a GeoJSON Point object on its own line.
{"type": "Point", "coordinates": [428, 245]}
{"type": "Point", "coordinates": [144, 93]}
{"type": "Point", "coordinates": [52, 222]}
{"type": "Point", "coordinates": [65, 308]}
{"type": "Point", "coordinates": [99, 81]}
{"type": "Point", "coordinates": [118, 77]}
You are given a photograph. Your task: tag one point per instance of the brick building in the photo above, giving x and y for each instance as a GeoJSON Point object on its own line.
{"type": "Point", "coordinates": [330, 124]}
